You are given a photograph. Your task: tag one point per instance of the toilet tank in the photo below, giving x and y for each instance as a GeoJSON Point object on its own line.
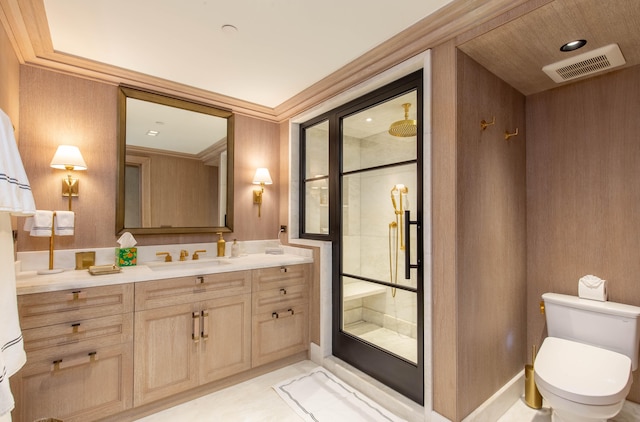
{"type": "Point", "coordinates": [610, 325]}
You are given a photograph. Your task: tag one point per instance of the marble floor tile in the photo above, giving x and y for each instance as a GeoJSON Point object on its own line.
{"type": "Point", "coordinates": [252, 400]}
{"type": "Point", "coordinates": [520, 412]}
{"type": "Point", "coordinates": [255, 400]}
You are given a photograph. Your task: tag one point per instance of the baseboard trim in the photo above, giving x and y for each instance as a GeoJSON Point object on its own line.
{"type": "Point", "coordinates": [498, 404]}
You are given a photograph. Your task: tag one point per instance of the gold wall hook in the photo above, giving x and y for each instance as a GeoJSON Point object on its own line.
{"type": "Point", "coordinates": [484, 123]}
{"type": "Point", "coordinates": [508, 135]}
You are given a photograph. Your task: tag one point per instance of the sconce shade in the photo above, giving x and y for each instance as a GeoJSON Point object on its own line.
{"type": "Point", "coordinates": [262, 176]}
{"type": "Point", "coordinates": [68, 157]}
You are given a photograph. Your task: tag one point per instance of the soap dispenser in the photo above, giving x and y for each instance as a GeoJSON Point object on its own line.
{"type": "Point", "coordinates": [235, 249]}
{"type": "Point", "coordinates": [221, 245]}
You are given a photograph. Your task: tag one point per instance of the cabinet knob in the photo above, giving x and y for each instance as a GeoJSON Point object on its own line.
{"type": "Point", "coordinates": [283, 291]}
{"type": "Point", "coordinates": [283, 269]}
{"type": "Point", "coordinates": [199, 279]}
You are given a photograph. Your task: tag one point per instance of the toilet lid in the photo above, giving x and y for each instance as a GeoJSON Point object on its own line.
{"type": "Point", "coordinates": [582, 373]}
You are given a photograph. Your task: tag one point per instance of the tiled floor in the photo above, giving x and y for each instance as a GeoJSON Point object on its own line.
{"type": "Point", "coordinates": [255, 400]}
{"type": "Point", "coordinates": [520, 412]}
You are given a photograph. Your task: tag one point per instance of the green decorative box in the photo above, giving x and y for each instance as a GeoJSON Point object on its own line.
{"type": "Point", "coordinates": [126, 257]}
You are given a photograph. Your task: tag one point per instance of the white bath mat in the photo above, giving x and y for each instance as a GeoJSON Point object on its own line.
{"type": "Point", "coordinates": [319, 396]}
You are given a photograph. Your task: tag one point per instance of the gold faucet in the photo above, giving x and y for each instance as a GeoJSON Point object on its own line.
{"type": "Point", "coordinates": [167, 258]}
{"type": "Point", "coordinates": [195, 254]}
{"type": "Point", "coordinates": [184, 255]}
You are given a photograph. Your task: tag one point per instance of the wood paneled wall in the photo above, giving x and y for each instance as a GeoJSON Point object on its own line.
{"type": "Point", "coordinates": [583, 192]}
{"type": "Point", "coordinates": [444, 281]}
{"type": "Point", "coordinates": [479, 234]}
{"type": "Point", "coordinates": [491, 234]}
{"type": "Point", "coordinates": [9, 80]}
{"type": "Point", "coordinates": [56, 108]}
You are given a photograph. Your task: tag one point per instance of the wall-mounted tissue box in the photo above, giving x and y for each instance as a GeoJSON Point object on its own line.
{"type": "Point", "coordinates": [126, 257]}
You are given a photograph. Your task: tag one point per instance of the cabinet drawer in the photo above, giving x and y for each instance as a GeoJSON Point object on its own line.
{"type": "Point", "coordinates": [95, 332]}
{"type": "Point", "coordinates": [267, 301]}
{"type": "Point", "coordinates": [280, 277]}
{"type": "Point", "coordinates": [83, 386]}
{"type": "Point", "coordinates": [43, 309]}
{"type": "Point", "coordinates": [279, 334]}
{"type": "Point", "coordinates": [180, 290]}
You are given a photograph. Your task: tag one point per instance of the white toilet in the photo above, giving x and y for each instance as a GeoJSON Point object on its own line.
{"type": "Point", "coordinates": [583, 368]}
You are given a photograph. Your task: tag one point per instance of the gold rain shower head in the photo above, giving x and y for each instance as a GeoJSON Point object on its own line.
{"type": "Point", "coordinates": [404, 128]}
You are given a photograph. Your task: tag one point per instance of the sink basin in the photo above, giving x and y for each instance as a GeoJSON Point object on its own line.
{"type": "Point", "coordinates": [185, 265]}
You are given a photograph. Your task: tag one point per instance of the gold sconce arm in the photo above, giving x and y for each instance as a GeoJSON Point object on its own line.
{"type": "Point", "coordinates": [257, 197]}
{"type": "Point", "coordinates": [262, 177]}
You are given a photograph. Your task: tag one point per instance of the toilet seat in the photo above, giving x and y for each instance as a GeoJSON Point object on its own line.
{"type": "Point", "coordinates": [582, 373]}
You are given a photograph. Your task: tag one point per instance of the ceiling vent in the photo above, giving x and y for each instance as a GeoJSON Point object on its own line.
{"type": "Point", "coordinates": [598, 60]}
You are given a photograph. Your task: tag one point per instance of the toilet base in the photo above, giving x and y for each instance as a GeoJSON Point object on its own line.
{"type": "Point", "coordinates": [563, 410]}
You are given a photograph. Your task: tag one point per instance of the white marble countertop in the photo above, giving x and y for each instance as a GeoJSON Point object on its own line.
{"type": "Point", "coordinates": [28, 282]}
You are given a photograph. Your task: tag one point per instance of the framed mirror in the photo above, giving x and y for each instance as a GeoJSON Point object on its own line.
{"type": "Point", "coordinates": [175, 165]}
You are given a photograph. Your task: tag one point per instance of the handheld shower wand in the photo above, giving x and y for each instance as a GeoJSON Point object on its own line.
{"type": "Point", "coordinates": [399, 207]}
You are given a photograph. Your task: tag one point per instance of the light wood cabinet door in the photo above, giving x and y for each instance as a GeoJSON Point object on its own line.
{"type": "Point", "coordinates": [75, 386]}
{"type": "Point", "coordinates": [280, 334]}
{"type": "Point", "coordinates": [180, 347]}
{"type": "Point", "coordinates": [166, 352]}
{"type": "Point", "coordinates": [225, 338]}
{"type": "Point", "coordinates": [280, 303]}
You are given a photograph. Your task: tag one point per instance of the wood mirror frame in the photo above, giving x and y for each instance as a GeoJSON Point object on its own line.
{"type": "Point", "coordinates": [125, 92]}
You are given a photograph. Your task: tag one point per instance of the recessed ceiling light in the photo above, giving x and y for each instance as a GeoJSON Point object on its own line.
{"type": "Point", "coordinates": [573, 45]}
{"type": "Point", "coordinates": [153, 133]}
{"type": "Point", "coordinates": [229, 29]}
{"type": "Point", "coordinates": [369, 119]}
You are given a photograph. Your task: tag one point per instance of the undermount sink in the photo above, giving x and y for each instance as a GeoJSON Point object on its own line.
{"type": "Point", "coordinates": [186, 265]}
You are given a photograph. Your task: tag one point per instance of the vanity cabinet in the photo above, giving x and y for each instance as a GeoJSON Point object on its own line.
{"type": "Point", "coordinates": [190, 331]}
{"type": "Point", "coordinates": [79, 354]}
{"type": "Point", "coordinates": [280, 321]}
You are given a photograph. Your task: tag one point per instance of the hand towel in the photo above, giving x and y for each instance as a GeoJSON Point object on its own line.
{"type": "Point", "coordinates": [63, 223]}
{"type": "Point", "coordinates": [41, 224]}
{"type": "Point", "coordinates": [12, 355]}
{"type": "Point", "coordinates": [15, 192]}
{"type": "Point", "coordinates": [15, 198]}
{"type": "Point", "coordinates": [592, 287]}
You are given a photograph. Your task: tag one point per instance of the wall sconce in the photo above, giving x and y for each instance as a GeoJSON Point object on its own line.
{"type": "Point", "coordinates": [68, 157]}
{"type": "Point", "coordinates": [262, 177]}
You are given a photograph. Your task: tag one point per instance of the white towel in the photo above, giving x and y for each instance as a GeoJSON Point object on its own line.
{"type": "Point", "coordinates": [12, 355]}
{"type": "Point", "coordinates": [41, 224]}
{"type": "Point", "coordinates": [15, 192]}
{"type": "Point", "coordinates": [15, 198]}
{"type": "Point", "coordinates": [64, 223]}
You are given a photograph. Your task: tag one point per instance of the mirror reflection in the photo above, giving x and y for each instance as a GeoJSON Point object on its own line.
{"type": "Point", "coordinates": [175, 165]}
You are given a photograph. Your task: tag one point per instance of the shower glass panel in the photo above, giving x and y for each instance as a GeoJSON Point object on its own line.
{"type": "Point", "coordinates": [382, 316]}
{"type": "Point", "coordinates": [379, 184]}
{"type": "Point", "coordinates": [366, 141]}
{"type": "Point", "coordinates": [361, 190]}
{"type": "Point", "coordinates": [373, 227]}
{"type": "Point", "coordinates": [316, 178]}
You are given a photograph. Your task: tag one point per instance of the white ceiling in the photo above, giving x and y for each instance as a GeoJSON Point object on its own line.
{"type": "Point", "coordinates": [280, 47]}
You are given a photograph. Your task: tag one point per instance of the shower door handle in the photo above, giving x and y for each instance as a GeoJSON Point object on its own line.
{"type": "Point", "coordinates": [407, 241]}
